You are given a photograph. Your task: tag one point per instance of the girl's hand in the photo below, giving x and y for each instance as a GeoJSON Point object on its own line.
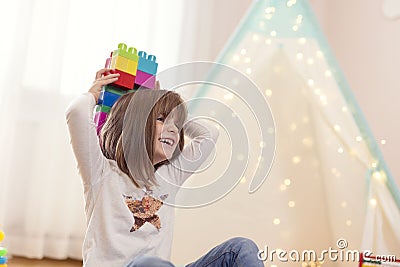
{"type": "Point", "coordinates": [100, 81]}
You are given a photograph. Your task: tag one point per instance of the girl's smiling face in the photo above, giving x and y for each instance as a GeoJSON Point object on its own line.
{"type": "Point", "coordinates": [166, 138]}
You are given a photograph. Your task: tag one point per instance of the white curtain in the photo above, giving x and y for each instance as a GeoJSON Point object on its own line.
{"type": "Point", "coordinates": [50, 53]}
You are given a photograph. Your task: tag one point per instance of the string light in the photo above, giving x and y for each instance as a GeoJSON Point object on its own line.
{"type": "Point", "coordinates": [358, 138]}
{"type": "Point", "coordinates": [302, 40]}
{"type": "Point", "coordinates": [236, 58]}
{"type": "Point", "coordinates": [228, 96]}
{"type": "Point", "coordinates": [328, 73]}
{"type": "Point", "coordinates": [255, 37]}
{"type": "Point", "coordinates": [243, 51]}
{"type": "Point", "coordinates": [344, 109]}
{"type": "Point", "coordinates": [291, 204]}
{"type": "Point", "coordinates": [336, 127]}
{"type": "Point", "coordinates": [299, 56]}
{"type": "Point", "coordinates": [299, 19]}
{"type": "Point", "coordinates": [247, 60]}
{"type": "Point", "coordinates": [295, 28]}
{"type": "Point", "coordinates": [287, 182]}
{"type": "Point", "coordinates": [296, 160]}
{"type": "Point", "coordinates": [310, 82]}
{"type": "Point", "coordinates": [268, 41]}
{"type": "Point", "coordinates": [273, 33]}
{"type": "Point", "coordinates": [248, 70]}
{"type": "Point", "coordinates": [373, 202]}
{"type": "Point", "coordinates": [383, 141]}
{"type": "Point", "coordinates": [340, 150]}
{"type": "Point", "coordinates": [348, 222]}
{"type": "Point", "coordinates": [268, 92]}
{"type": "Point", "coordinates": [277, 221]}
{"type": "Point", "coordinates": [263, 144]}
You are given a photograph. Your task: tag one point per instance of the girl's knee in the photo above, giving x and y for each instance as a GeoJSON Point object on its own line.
{"type": "Point", "coordinates": [243, 243]}
{"type": "Point", "coordinates": [149, 261]}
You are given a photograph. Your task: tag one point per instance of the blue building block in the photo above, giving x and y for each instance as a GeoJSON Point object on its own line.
{"type": "Point", "coordinates": [148, 63]}
{"type": "Point", "coordinates": [107, 98]}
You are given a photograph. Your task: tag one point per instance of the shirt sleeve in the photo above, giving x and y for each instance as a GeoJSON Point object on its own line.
{"type": "Point", "coordinates": [83, 138]}
{"type": "Point", "coordinates": [203, 137]}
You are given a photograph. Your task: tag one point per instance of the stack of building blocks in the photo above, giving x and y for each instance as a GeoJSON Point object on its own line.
{"type": "Point", "coordinates": [3, 252]}
{"type": "Point", "coordinates": [136, 70]}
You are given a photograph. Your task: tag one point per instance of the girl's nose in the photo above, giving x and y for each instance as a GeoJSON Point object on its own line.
{"type": "Point", "coordinates": [170, 126]}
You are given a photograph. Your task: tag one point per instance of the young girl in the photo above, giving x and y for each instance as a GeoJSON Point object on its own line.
{"type": "Point", "coordinates": [127, 173]}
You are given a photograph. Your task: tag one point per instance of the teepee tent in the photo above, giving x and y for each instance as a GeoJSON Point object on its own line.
{"type": "Point", "coordinates": [329, 186]}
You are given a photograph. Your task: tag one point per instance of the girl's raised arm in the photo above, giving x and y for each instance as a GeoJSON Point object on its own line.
{"type": "Point", "coordinates": [203, 137]}
{"type": "Point", "coordinates": [82, 130]}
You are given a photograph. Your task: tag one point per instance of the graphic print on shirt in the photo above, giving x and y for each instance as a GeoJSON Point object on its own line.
{"type": "Point", "coordinates": [144, 210]}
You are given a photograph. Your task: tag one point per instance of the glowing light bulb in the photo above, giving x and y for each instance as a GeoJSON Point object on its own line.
{"type": "Point", "coordinates": [383, 141]}
{"type": "Point", "coordinates": [299, 19]}
{"type": "Point", "coordinates": [373, 202]}
{"type": "Point", "coordinates": [243, 51]}
{"type": "Point", "coordinates": [228, 96]}
{"type": "Point", "coordinates": [302, 40]}
{"type": "Point", "coordinates": [319, 54]}
{"type": "Point", "coordinates": [268, 41]}
{"type": "Point", "coordinates": [247, 60]}
{"type": "Point", "coordinates": [255, 37]}
{"type": "Point", "coordinates": [295, 28]}
{"type": "Point", "coordinates": [248, 70]}
{"type": "Point", "coordinates": [277, 221]}
{"type": "Point", "coordinates": [328, 73]}
{"type": "Point", "coordinates": [273, 33]}
{"type": "Point", "coordinates": [291, 204]}
{"type": "Point", "coordinates": [358, 138]}
{"type": "Point", "coordinates": [336, 127]}
{"type": "Point", "coordinates": [287, 182]}
{"type": "Point", "coordinates": [268, 92]}
{"type": "Point", "coordinates": [374, 164]}
{"type": "Point", "coordinates": [344, 109]}
{"type": "Point", "coordinates": [310, 82]}
{"type": "Point", "coordinates": [263, 144]}
{"type": "Point", "coordinates": [236, 58]}
{"type": "Point", "coordinates": [299, 56]}
{"type": "Point", "coordinates": [340, 150]}
{"type": "Point", "coordinates": [271, 130]}
{"type": "Point", "coordinates": [310, 61]}
{"type": "Point", "coordinates": [348, 222]}
{"type": "Point", "coordinates": [296, 160]}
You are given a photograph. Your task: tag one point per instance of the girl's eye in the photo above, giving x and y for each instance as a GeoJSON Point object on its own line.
{"type": "Point", "coordinates": [161, 118]}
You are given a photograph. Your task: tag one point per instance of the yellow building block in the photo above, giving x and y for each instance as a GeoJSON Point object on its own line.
{"type": "Point", "coordinates": [124, 64]}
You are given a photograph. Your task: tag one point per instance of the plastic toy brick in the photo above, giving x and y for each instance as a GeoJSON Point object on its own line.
{"type": "Point", "coordinates": [3, 260]}
{"type": "Point", "coordinates": [114, 89]}
{"type": "Point", "coordinates": [99, 119]}
{"type": "Point", "coordinates": [125, 80]}
{"type": "Point", "coordinates": [103, 108]}
{"type": "Point", "coordinates": [107, 98]}
{"type": "Point", "coordinates": [125, 64]}
{"type": "Point", "coordinates": [147, 63]}
{"type": "Point", "coordinates": [145, 79]}
{"type": "Point", "coordinates": [123, 51]}
{"type": "Point", "coordinates": [108, 62]}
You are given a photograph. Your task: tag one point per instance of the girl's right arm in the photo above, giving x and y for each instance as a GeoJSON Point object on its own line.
{"type": "Point", "coordinates": [82, 129]}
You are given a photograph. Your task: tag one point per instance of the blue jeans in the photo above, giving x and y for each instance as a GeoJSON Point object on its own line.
{"type": "Point", "coordinates": [235, 252]}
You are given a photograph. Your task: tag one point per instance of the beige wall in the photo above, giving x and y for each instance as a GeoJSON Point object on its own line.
{"type": "Point", "coordinates": [366, 45]}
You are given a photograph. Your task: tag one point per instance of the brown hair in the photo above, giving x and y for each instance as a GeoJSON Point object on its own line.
{"type": "Point", "coordinates": [127, 135]}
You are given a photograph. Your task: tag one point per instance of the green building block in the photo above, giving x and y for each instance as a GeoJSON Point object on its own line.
{"type": "Point", "coordinates": [124, 51]}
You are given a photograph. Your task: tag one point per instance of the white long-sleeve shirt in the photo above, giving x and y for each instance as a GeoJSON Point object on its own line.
{"type": "Point", "coordinates": [109, 240]}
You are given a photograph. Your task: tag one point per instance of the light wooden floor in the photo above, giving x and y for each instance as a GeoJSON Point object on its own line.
{"type": "Point", "coordinates": [23, 262]}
